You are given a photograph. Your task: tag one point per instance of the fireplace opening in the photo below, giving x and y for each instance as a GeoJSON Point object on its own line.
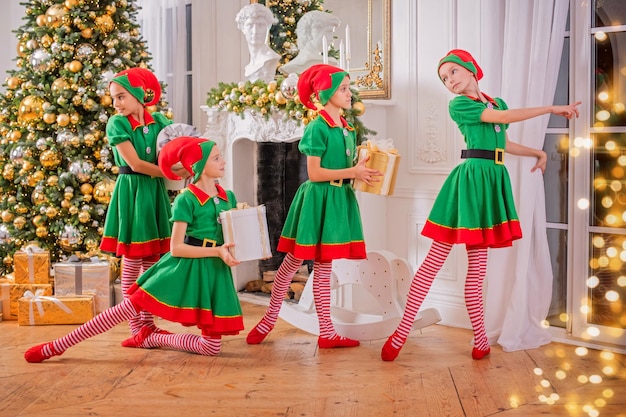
{"type": "Point", "coordinates": [281, 169]}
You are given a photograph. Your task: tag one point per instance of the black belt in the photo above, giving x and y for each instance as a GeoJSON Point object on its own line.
{"type": "Point", "coordinates": [496, 156]}
{"type": "Point", "coordinates": [340, 182]}
{"type": "Point", "coordinates": [128, 170]}
{"type": "Point", "coordinates": [190, 240]}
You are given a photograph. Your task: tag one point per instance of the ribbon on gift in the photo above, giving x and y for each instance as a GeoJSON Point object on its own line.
{"type": "Point", "coordinates": [260, 211]}
{"type": "Point", "coordinates": [380, 145]}
{"type": "Point", "coordinates": [36, 298]}
{"type": "Point", "coordinates": [30, 250]}
{"type": "Point", "coordinates": [78, 271]}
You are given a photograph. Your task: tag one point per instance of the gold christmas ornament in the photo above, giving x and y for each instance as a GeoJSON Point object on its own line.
{"type": "Point", "coordinates": [53, 180]}
{"type": "Point", "coordinates": [14, 135]}
{"type": "Point", "coordinates": [19, 222]}
{"type": "Point", "coordinates": [32, 44]}
{"type": "Point", "coordinates": [41, 231]}
{"type": "Point", "coordinates": [103, 190]}
{"type": "Point", "coordinates": [21, 49]}
{"type": "Point", "coordinates": [56, 15]}
{"type": "Point", "coordinates": [38, 220]}
{"type": "Point", "coordinates": [7, 216]}
{"type": "Point", "coordinates": [73, 210]}
{"type": "Point", "coordinates": [75, 66]}
{"type": "Point", "coordinates": [30, 110]}
{"type": "Point", "coordinates": [86, 189]}
{"type": "Point", "coordinates": [13, 82]}
{"type": "Point", "coordinates": [7, 260]}
{"type": "Point", "coordinates": [63, 120]}
{"type": "Point", "coordinates": [52, 212]}
{"type": "Point", "coordinates": [70, 4]}
{"type": "Point", "coordinates": [86, 33]}
{"type": "Point", "coordinates": [50, 159]}
{"type": "Point", "coordinates": [41, 20]}
{"type": "Point", "coordinates": [359, 108]}
{"type": "Point", "coordinates": [104, 23]}
{"type": "Point", "coordinates": [84, 216]}
{"type": "Point", "coordinates": [60, 85]}
{"type": "Point", "coordinates": [49, 118]}
{"type": "Point", "coordinates": [65, 204]}
{"type": "Point", "coordinates": [106, 100]}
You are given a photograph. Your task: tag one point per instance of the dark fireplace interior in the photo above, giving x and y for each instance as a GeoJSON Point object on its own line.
{"type": "Point", "coordinates": [281, 168]}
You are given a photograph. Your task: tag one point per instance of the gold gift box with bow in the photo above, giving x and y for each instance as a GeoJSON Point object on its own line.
{"type": "Point", "coordinates": [36, 310]}
{"type": "Point", "coordinates": [384, 158]}
{"type": "Point", "coordinates": [31, 265]}
{"type": "Point", "coordinates": [11, 293]}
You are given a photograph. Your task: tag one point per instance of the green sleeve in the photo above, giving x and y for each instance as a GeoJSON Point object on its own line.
{"type": "Point", "coordinates": [118, 129]}
{"type": "Point", "coordinates": [465, 111]}
{"type": "Point", "coordinates": [182, 210]}
{"type": "Point", "coordinates": [315, 138]}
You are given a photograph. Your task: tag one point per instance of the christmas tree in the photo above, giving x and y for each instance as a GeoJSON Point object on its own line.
{"type": "Point", "coordinates": [57, 168]}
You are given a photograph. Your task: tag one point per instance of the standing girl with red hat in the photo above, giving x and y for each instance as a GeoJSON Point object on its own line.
{"type": "Point", "coordinates": [193, 283]}
{"type": "Point", "coordinates": [475, 206]}
{"type": "Point", "coordinates": [137, 225]}
{"type": "Point", "coordinates": [323, 222]}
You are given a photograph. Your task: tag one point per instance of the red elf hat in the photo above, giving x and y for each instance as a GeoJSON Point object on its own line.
{"type": "Point", "coordinates": [141, 84]}
{"type": "Point", "coordinates": [464, 59]}
{"type": "Point", "coordinates": [321, 80]}
{"type": "Point", "coordinates": [192, 153]}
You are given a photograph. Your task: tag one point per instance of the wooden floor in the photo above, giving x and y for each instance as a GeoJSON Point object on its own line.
{"type": "Point", "coordinates": [288, 376]}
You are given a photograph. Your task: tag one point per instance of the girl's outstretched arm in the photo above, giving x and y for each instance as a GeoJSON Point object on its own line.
{"type": "Point", "coordinates": [518, 115]}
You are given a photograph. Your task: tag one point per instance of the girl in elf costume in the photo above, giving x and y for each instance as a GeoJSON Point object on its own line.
{"type": "Point", "coordinates": [323, 222]}
{"type": "Point", "coordinates": [475, 206]}
{"type": "Point", "coordinates": [137, 225]}
{"type": "Point", "coordinates": [192, 284]}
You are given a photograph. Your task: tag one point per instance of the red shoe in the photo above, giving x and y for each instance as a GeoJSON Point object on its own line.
{"type": "Point", "coordinates": [137, 340]}
{"type": "Point", "coordinates": [335, 342]}
{"type": "Point", "coordinates": [255, 336]}
{"type": "Point", "coordinates": [37, 355]}
{"type": "Point", "coordinates": [479, 354]}
{"type": "Point", "coordinates": [389, 353]}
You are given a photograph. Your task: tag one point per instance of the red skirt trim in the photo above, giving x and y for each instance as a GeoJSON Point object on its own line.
{"type": "Point", "coordinates": [135, 250]}
{"type": "Point", "coordinates": [323, 252]}
{"type": "Point", "coordinates": [204, 319]}
{"type": "Point", "coordinates": [498, 236]}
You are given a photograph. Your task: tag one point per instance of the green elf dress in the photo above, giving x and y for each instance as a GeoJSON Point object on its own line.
{"type": "Point", "coordinates": [194, 291]}
{"type": "Point", "coordinates": [324, 222]}
{"type": "Point", "coordinates": [475, 205]}
{"type": "Point", "coordinates": [137, 223]}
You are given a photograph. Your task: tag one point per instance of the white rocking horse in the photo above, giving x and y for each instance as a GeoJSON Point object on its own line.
{"type": "Point", "coordinates": [367, 300]}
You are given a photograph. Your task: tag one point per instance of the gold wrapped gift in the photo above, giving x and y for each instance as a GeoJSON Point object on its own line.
{"type": "Point", "coordinates": [11, 293]}
{"type": "Point", "coordinates": [246, 227]}
{"type": "Point", "coordinates": [36, 309]}
{"type": "Point", "coordinates": [31, 265]}
{"type": "Point", "coordinates": [383, 157]}
{"type": "Point", "coordinates": [78, 276]}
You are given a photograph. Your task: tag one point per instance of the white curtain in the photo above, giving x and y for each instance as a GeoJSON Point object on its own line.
{"type": "Point", "coordinates": [524, 41]}
{"type": "Point", "coordinates": [164, 29]}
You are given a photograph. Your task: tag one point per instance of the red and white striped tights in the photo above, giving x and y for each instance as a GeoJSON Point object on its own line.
{"type": "Point", "coordinates": [203, 345]}
{"type": "Point", "coordinates": [132, 268]}
{"type": "Point", "coordinates": [422, 281]}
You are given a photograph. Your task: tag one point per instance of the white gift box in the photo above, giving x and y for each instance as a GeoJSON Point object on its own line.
{"type": "Point", "coordinates": [86, 276]}
{"type": "Point", "coordinates": [247, 229]}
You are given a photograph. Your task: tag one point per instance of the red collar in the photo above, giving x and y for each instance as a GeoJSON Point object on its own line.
{"type": "Point", "coordinates": [147, 117]}
{"type": "Point", "coordinates": [489, 99]}
{"type": "Point", "coordinates": [329, 120]}
{"type": "Point", "coordinates": [204, 197]}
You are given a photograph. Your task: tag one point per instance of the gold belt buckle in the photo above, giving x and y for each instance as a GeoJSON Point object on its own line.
{"type": "Point", "coordinates": [209, 243]}
{"type": "Point", "coordinates": [336, 183]}
{"type": "Point", "coordinates": [499, 159]}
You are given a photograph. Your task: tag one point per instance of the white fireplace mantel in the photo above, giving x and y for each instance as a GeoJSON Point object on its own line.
{"type": "Point", "coordinates": [227, 128]}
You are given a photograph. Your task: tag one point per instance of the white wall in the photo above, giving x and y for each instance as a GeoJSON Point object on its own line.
{"type": "Point", "coordinates": [10, 19]}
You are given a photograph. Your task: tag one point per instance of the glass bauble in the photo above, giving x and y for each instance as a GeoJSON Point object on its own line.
{"type": "Point", "coordinates": [69, 239]}
{"type": "Point", "coordinates": [289, 86]}
{"type": "Point", "coordinates": [30, 109]}
{"type": "Point", "coordinates": [103, 190]}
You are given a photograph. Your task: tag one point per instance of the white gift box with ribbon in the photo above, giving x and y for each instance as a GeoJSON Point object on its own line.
{"type": "Point", "coordinates": [247, 229]}
{"type": "Point", "coordinates": [85, 276]}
